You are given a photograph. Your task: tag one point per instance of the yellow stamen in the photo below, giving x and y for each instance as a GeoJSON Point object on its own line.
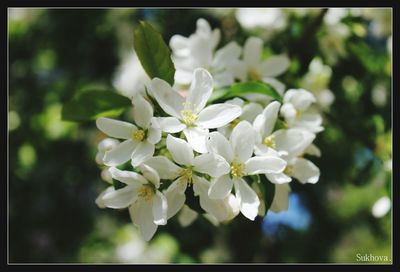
{"type": "Point", "coordinates": [186, 174]}
{"type": "Point", "coordinates": [234, 123]}
{"type": "Point", "coordinates": [298, 114]}
{"type": "Point", "coordinates": [270, 141]}
{"type": "Point", "coordinates": [289, 170]}
{"type": "Point", "coordinates": [253, 74]}
{"type": "Point", "coordinates": [237, 169]}
{"type": "Point", "coordinates": [146, 192]}
{"type": "Point", "coordinates": [189, 117]}
{"type": "Point", "coordinates": [138, 135]}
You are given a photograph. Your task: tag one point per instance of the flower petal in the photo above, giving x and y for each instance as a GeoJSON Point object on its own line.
{"type": "Point", "coordinates": [159, 209]}
{"type": "Point", "coordinates": [180, 150]}
{"type": "Point", "coordinates": [175, 195]}
{"type": "Point", "coordinates": [274, 66]}
{"type": "Point", "coordinates": [292, 141]}
{"type": "Point", "coordinates": [115, 128]}
{"type": "Point", "coordinates": [279, 178]}
{"type": "Point", "coordinates": [200, 90]}
{"type": "Point", "coordinates": [127, 177]}
{"type": "Point", "coordinates": [252, 51]}
{"type": "Point", "coordinates": [121, 198]}
{"type": "Point", "coordinates": [224, 56]}
{"type": "Point", "coordinates": [249, 201]}
{"type": "Point", "coordinates": [242, 140]}
{"type": "Point", "coordinates": [150, 174]}
{"type": "Point", "coordinates": [168, 99]}
{"type": "Point", "coordinates": [120, 154]}
{"type": "Point", "coordinates": [142, 152]}
{"type": "Point", "coordinates": [187, 216]}
{"type": "Point", "coordinates": [196, 138]}
{"type": "Point", "coordinates": [153, 133]}
{"type": "Point", "coordinates": [300, 98]}
{"type": "Point", "coordinates": [305, 171]}
{"type": "Point", "coordinates": [165, 168]}
{"type": "Point", "coordinates": [215, 207]}
{"type": "Point", "coordinates": [142, 111]}
{"type": "Point", "coordinates": [99, 200]}
{"type": "Point", "coordinates": [217, 143]}
{"type": "Point", "coordinates": [170, 124]}
{"type": "Point", "coordinates": [141, 215]}
{"type": "Point", "coordinates": [281, 198]}
{"type": "Point", "coordinates": [264, 164]}
{"type": "Point", "coordinates": [250, 111]}
{"type": "Point", "coordinates": [220, 187]}
{"type": "Point", "coordinates": [179, 45]}
{"type": "Point", "coordinates": [265, 122]}
{"type": "Point", "coordinates": [218, 115]}
{"type": "Point", "coordinates": [211, 164]}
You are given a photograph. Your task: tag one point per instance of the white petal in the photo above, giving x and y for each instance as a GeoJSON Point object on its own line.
{"type": "Point", "coordinates": [179, 45]}
{"type": "Point", "coordinates": [224, 56]}
{"type": "Point", "coordinates": [180, 150]}
{"type": "Point", "coordinates": [196, 138]}
{"type": "Point", "coordinates": [217, 143]}
{"type": "Point", "coordinates": [127, 177]}
{"type": "Point", "coordinates": [313, 150]}
{"type": "Point", "coordinates": [200, 90]}
{"type": "Point", "coordinates": [99, 200]}
{"type": "Point", "coordinates": [300, 98]}
{"type": "Point", "coordinates": [264, 123]}
{"type": "Point", "coordinates": [281, 198]}
{"type": "Point", "coordinates": [264, 164]}
{"type": "Point", "coordinates": [292, 141]}
{"type": "Point", "coordinates": [150, 174]}
{"type": "Point", "coordinates": [249, 201]}
{"type": "Point", "coordinates": [218, 115]}
{"type": "Point", "coordinates": [121, 198]}
{"type": "Point", "coordinates": [175, 195]}
{"type": "Point", "coordinates": [142, 152]}
{"type": "Point", "coordinates": [215, 207]}
{"type": "Point", "coordinates": [279, 178]}
{"type": "Point", "coordinates": [311, 122]}
{"type": "Point", "coordinates": [305, 171]}
{"type": "Point", "coordinates": [223, 79]}
{"type": "Point", "coordinates": [170, 124]}
{"type": "Point", "coordinates": [242, 140]}
{"type": "Point", "coordinates": [153, 133]}
{"type": "Point", "coordinates": [120, 154]}
{"type": "Point", "coordinates": [168, 99]}
{"type": "Point", "coordinates": [274, 66]}
{"type": "Point", "coordinates": [220, 187]}
{"type": "Point", "coordinates": [239, 70]}
{"type": "Point", "coordinates": [250, 111]}
{"type": "Point", "coordinates": [187, 216]}
{"type": "Point", "coordinates": [141, 215]}
{"type": "Point", "coordinates": [211, 164]}
{"type": "Point", "coordinates": [159, 209]}
{"type": "Point", "coordinates": [165, 168]}
{"type": "Point", "coordinates": [252, 50]}
{"type": "Point", "coordinates": [183, 77]}
{"type": "Point", "coordinates": [115, 128]}
{"type": "Point", "coordinates": [142, 111]}
{"type": "Point", "coordinates": [107, 144]}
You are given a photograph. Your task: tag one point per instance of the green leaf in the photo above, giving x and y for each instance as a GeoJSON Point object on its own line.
{"type": "Point", "coordinates": [153, 53]}
{"type": "Point", "coordinates": [92, 104]}
{"type": "Point", "coordinates": [240, 89]}
{"type": "Point", "coordinates": [268, 189]}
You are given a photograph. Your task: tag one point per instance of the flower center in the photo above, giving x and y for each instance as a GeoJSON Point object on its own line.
{"type": "Point", "coordinates": [146, 192]}
{"type": "Point", "coordinates": [138, 135]}
{"type": "Point", "coordinates": [253, 74]}
{"type": "Point", "coordinates": [186, 174]}
{"type": "Point", "coordinates": [237, 169]}
{"type": "Point", "coordinates": [189, 118]}
{"type": "Point", "coordinates": [234, 123]}
{"type": "Point", "coordinates": [289, 170]}
{"type": "Point", "coordinates": [270, 141]}
{"type": "Point", "coordinates": [298, 114]}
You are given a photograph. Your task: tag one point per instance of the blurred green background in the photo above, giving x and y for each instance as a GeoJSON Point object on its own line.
{"type": "Point", "coordinates": [342, 55]}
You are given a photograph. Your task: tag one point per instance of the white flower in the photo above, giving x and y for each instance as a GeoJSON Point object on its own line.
{"type": "Point", "coordinates": [147, 205]}
{"type": "Point", "coordinates": [139, 139]}
{"type": "Point", "coordinates": [187, 174]}
{"type": "Point", "coordinates": [285, 143]}
{"type": "Point", "coordinates": [297, 112]}
{"type": "Point", "coordinates": [249, 113]}
{"type": "Point", "coordinates": [237, 152]}
{"type": "Point", "coordinates": [104, 146]}
{"type": "Point", "coordinates": [281, 198]}
{"type": "Point", "coordinates": [190, 115]}
{"type": "Point", "coordinates": [198, 51]}
{"type": "Point", "coordinates": [267, 18]}
{"type": "Point", "coordinates": [381, 207]}
{"type": "Point", "coordinates": [252, 67]}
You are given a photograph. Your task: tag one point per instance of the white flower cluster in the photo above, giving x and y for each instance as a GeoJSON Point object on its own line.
{"type": "Point", "coordinates": [179, 143]}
